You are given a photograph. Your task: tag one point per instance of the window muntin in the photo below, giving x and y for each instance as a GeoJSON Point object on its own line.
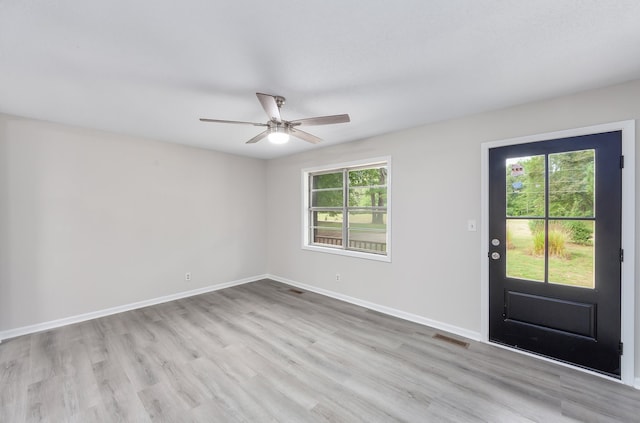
{"type": "Point", "coordinates": [550, 218]}
{"type": "Point", "coordinates": [347, 209]}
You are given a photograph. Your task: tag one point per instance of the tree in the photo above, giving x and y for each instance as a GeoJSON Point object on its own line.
{"type": "Point", "coordinates": [367, 191]}
{"type": "Point", "coordinates": [571, 185]}
{"type": "Point", "coordinates": [525, 191]}
{"type": "Point", "coordinates": [368, 188]}
{"type": "Point", "coordinates": [571, 190]}
{"type": "Point", "coordinates": [332, 190]}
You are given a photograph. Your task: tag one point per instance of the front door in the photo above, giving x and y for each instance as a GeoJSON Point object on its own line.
{"type": "Point", "coordinates": [555, 249]}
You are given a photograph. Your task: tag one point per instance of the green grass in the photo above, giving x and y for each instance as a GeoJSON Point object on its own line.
{"type": "Point", "coordinates": [574, 268]}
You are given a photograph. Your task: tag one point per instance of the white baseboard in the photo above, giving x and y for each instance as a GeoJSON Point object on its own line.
{"type": "Point", "coordinates": [469, 334]}
{"type": "Point", "coordinates": [39, 327]}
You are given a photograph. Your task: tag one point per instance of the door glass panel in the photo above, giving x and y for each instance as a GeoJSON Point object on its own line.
{"type": "Point", "coordinates": [525, 249]}
{"type": "Point", "coordinates": [525, 186]}
{"type": "Point", "coordinates": [572, 184]}
{"type": "Point", "coordinates": [572, 252]}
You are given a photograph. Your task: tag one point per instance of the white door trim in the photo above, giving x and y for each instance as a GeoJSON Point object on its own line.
{"type": "Point", "coordinates": [628, 230]}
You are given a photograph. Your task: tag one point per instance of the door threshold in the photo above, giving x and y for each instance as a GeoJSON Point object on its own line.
{"type": "Point", "coordinates": [559, 363]}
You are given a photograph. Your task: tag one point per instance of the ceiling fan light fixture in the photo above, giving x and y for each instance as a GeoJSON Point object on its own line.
{"type": "Point", "coordinates": [278, 135]}
{"type": "Point", "coordinates": [278, 130]}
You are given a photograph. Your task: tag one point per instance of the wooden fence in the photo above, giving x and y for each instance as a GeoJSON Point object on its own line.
{"type": "Point", "coordinates": [354, 244]}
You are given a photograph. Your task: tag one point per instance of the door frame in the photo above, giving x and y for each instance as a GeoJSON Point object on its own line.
{"type": "Point", "coordinates": [628, 238]}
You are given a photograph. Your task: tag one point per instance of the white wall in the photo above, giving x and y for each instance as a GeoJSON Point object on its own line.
{"type": "Point", "coordinates": [90, 220]}
{"type": "Point", "coordinates": [435, 272]}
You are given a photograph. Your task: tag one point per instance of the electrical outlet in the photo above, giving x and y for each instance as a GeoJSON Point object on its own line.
{"type": "Point", "coordinates": [187, 276]}
{"type": "Point", "coordinates": [337, 277]}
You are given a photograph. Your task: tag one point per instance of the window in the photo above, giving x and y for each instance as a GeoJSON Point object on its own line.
{"type": "Point", "coordinates": [346, 209]}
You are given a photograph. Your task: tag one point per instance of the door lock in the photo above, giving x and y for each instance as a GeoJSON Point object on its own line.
{"type": "Point", "coordinates": [495, 255]}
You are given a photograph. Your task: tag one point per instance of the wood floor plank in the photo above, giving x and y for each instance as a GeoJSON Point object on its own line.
{"type": "Point", "coordinates": [78, 376]}
{"type": "Point", "coordinates": [117, 394]}
{"type": "Point", "coordinates": [227, 392]}
{"type": "Point", "coordinates": [163, 406]}
{"type": "Point", "coordinates": [45, 356]}
{"type": "Point", "coordinates": [282, 378]}
{"type": "Point", "coordinates": [14, 376]}
{"type": "Point", "coordinates": [261, 352]}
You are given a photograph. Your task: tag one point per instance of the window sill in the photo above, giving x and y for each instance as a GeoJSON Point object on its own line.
{"type": "Point", "coordinates": [349, 253]}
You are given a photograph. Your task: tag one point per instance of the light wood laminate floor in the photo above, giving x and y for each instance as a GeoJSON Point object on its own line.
{"type": "Point", "coordinates": [260, 353]}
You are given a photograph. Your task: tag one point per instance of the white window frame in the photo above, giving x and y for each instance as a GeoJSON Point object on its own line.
{"type": "Point", "coordinates": [306, 242]}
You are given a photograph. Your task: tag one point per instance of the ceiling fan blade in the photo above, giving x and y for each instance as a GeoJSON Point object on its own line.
{"type": "Point", "coordinates": [305, 136]}
{"type": "Point", "coordinates": [258, 137]}
{"type": "Point", "coordinates": [270, 105]}
{"type": "Point", "coordinates": [321, 120]}
{"type": "Point", "coordinates": [232, 121]}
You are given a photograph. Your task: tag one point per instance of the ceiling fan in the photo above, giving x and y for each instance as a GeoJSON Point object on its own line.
{"type": "Point", "coordinates": [278, 130]}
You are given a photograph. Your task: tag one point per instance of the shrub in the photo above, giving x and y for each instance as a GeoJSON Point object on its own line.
{"type": "Point", "coordinates": [557, 240]}
{"type": "Point", "coordinates": [536, 225]}
{"type": "Point", "coordinates": [580, 231]}
{"type": "Point", "coordinates": [510, 245]}
{"type": "Point", "coordinates": [538, 243]}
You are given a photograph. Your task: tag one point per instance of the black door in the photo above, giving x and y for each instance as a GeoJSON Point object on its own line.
{"type": "Point", "coordinates": [555, 249]}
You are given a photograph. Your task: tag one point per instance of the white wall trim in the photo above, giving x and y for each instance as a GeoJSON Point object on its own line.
{"type": "Point", "coordinates": [39, 327]}
{"type": "Point", "coordinates": [628, 232]}
{"type": "Point", "coordinates": [637, 383]}
{"type": "Point", "coordinates": [383, 309]}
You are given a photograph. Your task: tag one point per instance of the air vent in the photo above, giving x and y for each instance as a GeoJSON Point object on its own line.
{"type": "Point", "coordinates": [451, 340]}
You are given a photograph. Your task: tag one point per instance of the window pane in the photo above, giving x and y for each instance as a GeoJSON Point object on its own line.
{"type": "Point", "coordinates": [368, 230]}
{"type": "Point", "coordinates": [326, 228]}
{"type": "Point", "coordinates": [525, 186]}
{"type": "Point", "coordinates": [525, 249]}
{"type": "Point", "coordinates": [327, 198]}
{"type": "Point", "coordinates": [374, 241]}
{"type": "Point", "coordinates": [327, 180]}
{"type": "Point", "coordinates": [368, 219]}
{"type": "Point", "coordinates": [373, 196]}
{"type": "Point", "coordinates": [571, 252]}
{"type": "Point", "coordinates": [366, 177]}
{"type": "Point", "coordinates": [572, 184]}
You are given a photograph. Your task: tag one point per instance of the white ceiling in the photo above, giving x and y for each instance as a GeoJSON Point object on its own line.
{"type": "Point", "coordinates": [152, 68]}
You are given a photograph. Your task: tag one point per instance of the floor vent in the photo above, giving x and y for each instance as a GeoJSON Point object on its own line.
{"type": "Point", "coordinates": [451, 340]}
{"type": "Point", "coordinates": [296, 291]}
